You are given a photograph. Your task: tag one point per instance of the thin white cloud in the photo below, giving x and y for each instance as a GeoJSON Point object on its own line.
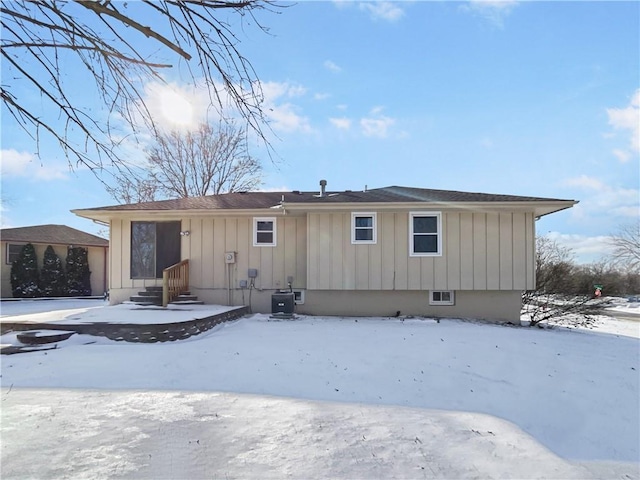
{"type": "Point", "coordinates": [379, 10]}
{"type": "Point", "coordinates": [273, 91]}
{"type": "Point", "coordinates": [321, 96]}
{"type": "Point", "coordinates": [627, 119]}
{"type": "Point", "coordinates": [377, 124]}
{"type": "Point", "coordinates": [493, 11]}
{"type": "Point", "coordinates": [587, 249]}
{"type": "Point", "coordinates": [622, 155]}
{"type": "Point", "coordinates": [341, 123]}
{"type": "Point", "coordinates": [24, 164]}
{"type": "Point", "coordinates": [587, 182]}
{"type": "Point", "coordinates": [285, 116]}
{"type": "Point", "coordinates": [296, 91]}
{"type": "Point", "coordinates": [604, 200]}
{"type": "Point", "coordinates": [332, 67]}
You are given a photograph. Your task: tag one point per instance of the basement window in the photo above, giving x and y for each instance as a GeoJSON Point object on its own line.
{"type": "Point", "coordinates": [441, 297]}
{"type": "Point", "coordinates": [298, 297]}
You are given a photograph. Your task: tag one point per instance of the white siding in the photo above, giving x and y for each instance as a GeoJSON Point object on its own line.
{"type": "Point", "coordinates": [205, 246]}
{"type": "Point", "coordinates": [481, 251]}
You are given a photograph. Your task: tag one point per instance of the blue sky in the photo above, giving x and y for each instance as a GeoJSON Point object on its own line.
{"type": "Point", "coordinates": [525, 98]}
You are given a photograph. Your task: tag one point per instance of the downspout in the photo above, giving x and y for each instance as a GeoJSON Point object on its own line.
{"type": "Point", "coordinates": [229, 284]}
{"type": "Point", "coordinates": [104, 274]}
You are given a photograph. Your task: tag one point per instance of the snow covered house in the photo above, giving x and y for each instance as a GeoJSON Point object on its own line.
{"type": "Point", "coordinates": [60, 237]}
{"type": "Point", "coordinates": [375, 252]}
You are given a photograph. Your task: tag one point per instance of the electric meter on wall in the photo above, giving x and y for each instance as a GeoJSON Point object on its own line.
{"type": "Point", "coordinates": [230, 257]}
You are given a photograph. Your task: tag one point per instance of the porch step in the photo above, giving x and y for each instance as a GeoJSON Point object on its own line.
{"type": "Point", "coordinates": [186, 297]}
{"type": "Point", "coordinates": [152, 293]}
{"type": "Point", "coordinates": [156, 293]}
{"type": "Point", "coordinates": [146, 300]}
{"type": "Point", "coordinates": [153, 296]}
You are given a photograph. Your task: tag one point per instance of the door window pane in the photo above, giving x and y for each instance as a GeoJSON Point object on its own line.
{"type": "Point", "coordinates": [143, 250]}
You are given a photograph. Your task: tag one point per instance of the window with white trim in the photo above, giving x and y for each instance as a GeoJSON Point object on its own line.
{"type": "Point", "coordinates": [13, 252]}
{"type": "Point", "coordinates": [264, 232]}
{"type": "Point", "coordinates": [441, 297]}
{"type": "Point", "coordinates": [363, 227]}
{"type": "Point", "coordinates": [425, 234]}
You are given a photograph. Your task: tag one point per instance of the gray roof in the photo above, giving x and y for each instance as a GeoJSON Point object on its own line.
{"type": "Point", "coordinates": [52, 235]}
{"type": "Point", "coordinates": [259, 200]}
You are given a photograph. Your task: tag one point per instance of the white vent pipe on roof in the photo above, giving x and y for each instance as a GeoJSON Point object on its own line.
{"type": "Point", "coordinates": [323, 185]}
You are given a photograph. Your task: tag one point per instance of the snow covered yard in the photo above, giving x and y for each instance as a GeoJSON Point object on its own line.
{"type": "Point", "coordinates": [576, 392]}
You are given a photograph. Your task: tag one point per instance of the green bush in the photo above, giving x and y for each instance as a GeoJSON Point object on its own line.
{"type": "Point", "coordinates": [52, 277]}
{"type": "Point", "coordinates": [78, 274]}
{"type": "Point", "coordinates": [24, 274]}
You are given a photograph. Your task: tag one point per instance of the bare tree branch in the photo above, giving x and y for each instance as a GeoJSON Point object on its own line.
{"type": "Point", "coordinates": [208, 161]}
{"type": "Point", "coordinates": [109, 44]}
{"type": "Point", "coordinates": [626, 247]}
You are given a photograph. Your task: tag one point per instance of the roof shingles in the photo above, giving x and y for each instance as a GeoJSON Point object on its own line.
{"type": "Point", "coordinates": [260, 200]}
{"type": "Point", "coordinates": [52, 234]}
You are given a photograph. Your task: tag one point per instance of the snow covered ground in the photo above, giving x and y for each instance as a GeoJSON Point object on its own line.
{"type": "Point", "coordinates": [94, 311]}
{"type": "Point", "coordinates": [330, 398]}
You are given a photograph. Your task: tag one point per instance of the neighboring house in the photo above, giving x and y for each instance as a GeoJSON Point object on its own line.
{"type": "Point", "coordinates": [374, 252]}
{"type": "Point", "coordinates": [60, 237]}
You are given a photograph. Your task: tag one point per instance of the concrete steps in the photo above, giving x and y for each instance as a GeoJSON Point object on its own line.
{"type": "Point", "coordinates": [153, 296]}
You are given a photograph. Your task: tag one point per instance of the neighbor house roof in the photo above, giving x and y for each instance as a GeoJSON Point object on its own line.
{"type": "Point", "coordinates": [52, 234]}
{"type": "Point", "coordinates": [313, 200]}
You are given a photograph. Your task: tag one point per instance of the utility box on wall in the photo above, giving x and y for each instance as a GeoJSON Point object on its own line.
{"type": "Point", "coordinates": [282, 303]}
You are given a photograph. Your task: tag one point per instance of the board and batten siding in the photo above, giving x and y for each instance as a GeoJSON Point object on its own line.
{"type": "Point", "coordinates": [208, 240]}
{"type": "Point", "coordinates": [481, 251]}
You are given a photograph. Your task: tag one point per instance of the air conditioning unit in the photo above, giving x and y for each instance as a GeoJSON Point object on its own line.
{"type": "Point", "coordinates": [282, 303]}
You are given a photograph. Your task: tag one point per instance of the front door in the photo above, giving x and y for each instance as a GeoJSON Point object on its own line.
{"type": "Point", "coordinates": [167, 245]}
{"type": "Point", "coordinates": [154, 247]}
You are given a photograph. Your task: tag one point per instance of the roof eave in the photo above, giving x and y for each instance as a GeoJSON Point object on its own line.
{"type": "Point", "coordinates": [553, 207]}
{"type": "Point", "coordinates": [539, 208]}
{"type": "Point", "coordinates": [107, 215]}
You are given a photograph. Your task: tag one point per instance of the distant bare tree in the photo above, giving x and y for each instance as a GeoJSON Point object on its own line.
{"type": "Point", "coordinates": [127, 187]}
{"type": "Point", "coordinates": [110, 43]}
{"type": "Point", "coordinates": [553, 265]}
{"type": "Point", "coordinates": [206, 161]}
{"type": "Point", "coordinates": [626, 247]}
{"type": "Point", "coordinates": [555, 298]}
